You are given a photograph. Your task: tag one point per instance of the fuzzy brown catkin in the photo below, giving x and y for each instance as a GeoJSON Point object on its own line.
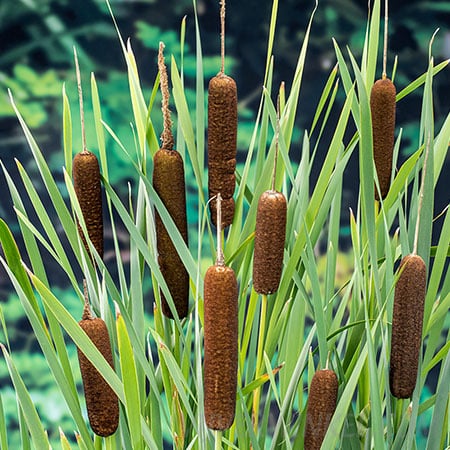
{"type": "Point", "coordinates": [222, 136]}
{"type": "Point", "coordinates": [221, 346]}
{"type": "Point", "coordinates": [382, 107]}
{"type": "Point", "coordinates": [169, 183]}
{"type": "Point", "coordinates": [270, 235]}
{"type": "Point", "coordinates": [322, 398]}
{"type": "Point", "coordinates": [407, 322]}
{"type": "Point", "coordinates": [86, 182]}
{"type": "Point", "coordinates": [101, 401]}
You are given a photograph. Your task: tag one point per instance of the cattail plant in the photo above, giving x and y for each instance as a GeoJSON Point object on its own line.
{"type": "Point", "coordinates": [269, 241]}
{"type": "Point", "coordinates": [270, 235]}
{"type": "Point", "coordinates": [382, 107]}
{"type": "Point", "coordinates": [407, 315]}
{"type": "Point", "coordinates": [86, 182]}
{"type": "Point", "coordinates": [101, 401]}
{"type": "Point", "coordinates": [222, 136]}
{"type": "Point", "coordinates": [407, 322]}
{"type": "Point", "coordinates": [169, 183]}
{"type": "Point", "coordinates": [322, 398]}
{"type": "Point", "coordinates": [220, 340]}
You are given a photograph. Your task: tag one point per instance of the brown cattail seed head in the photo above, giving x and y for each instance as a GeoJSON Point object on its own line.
{"type": "Point", "coordinates": [407, 322]}
{"type": "Point", "coordinates": [221, 346]}
{"type": "Point", "coordinates": [101, 401]}
{"type": "Point", "coordinates": [86, 182]}
{"type": "Point", "coordinates": [322, 400]}
{"type": "Point", "coordinates": [270, 235]}
{"type": "Point", "coordinates": [222, 136]}
{"type": "Point", "coordinates": [169, 183]}
{"type": "Point", "coordinates": [382, 106]}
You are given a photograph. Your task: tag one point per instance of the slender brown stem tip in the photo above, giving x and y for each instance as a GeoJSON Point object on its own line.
{"type": "Point", "coordinates": [87, 313]}
{"type": "Point", "coordinates": [167, 136]}
{"type": "Point", "coordinates": [80, 98]}
{"type": "Point", "coordinates": [220, 258]}
{"type": "Point", "coordinates": [277, 139]}
{"type": "Point", "coordinates": [222, 35]}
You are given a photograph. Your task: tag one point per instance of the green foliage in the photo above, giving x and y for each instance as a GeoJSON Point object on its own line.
{"type": "Point", "coordinates": [331, 308]}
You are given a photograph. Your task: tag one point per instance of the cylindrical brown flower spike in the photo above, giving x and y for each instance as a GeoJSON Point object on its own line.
{"type": "Point", "coordinates": [101, 402]}
{"type": "Point", "coordinates": [407, 322]}
{"type": "Point", "coordinates": [86, 182]}
{"type": "Point", "coordinates": [87, 185]}
{"type": "Point", "coordinates": [169, 183]}
{"type": "Point", "coordinates": [382, 106]}
{"type": "Point", "coordinates": [221, 343]}
{"type": "Point", "coordinates": [222, 135]}
{"type": "Point", "coordinates": [220, 365]}
{"type": "Point", "coordinates": [270, 235]}
{"type": "Point", "coordinates": [322, 398]}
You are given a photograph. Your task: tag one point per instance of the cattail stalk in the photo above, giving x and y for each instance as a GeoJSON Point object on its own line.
{"type": "Point", "coordinates": [101, 401]}
{"type": "Point", "coordinates": [222, 137]}
{"type": "Point", "coordinates": [169, 183]}
{"type": "Point", "coordinates": [87, 185]}
{"type": "Point", "coordinates": [221, 343]}
{"type": "Point", "coordinates": [407, 315]}
{"type": "Point", "coordinates": [322, 398]}
{"type": "Point", "coordinates": [407, 322]}
{"type": "Point", "coordinates": [270, 235]}
{"type": "Point", "coordinates": [382, 106]}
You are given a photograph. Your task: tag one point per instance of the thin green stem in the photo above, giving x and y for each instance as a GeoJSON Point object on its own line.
{"type": "Point", "coordinates": [259, 359]}
{"type": "Point", "coordinates": [218, 440]}
{"type": "Point", "coordinates": [176, 344]}
{"type": "Point", "coordinates": [398, 413]}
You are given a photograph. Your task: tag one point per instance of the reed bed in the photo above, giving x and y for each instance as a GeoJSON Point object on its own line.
{"type": "Point", "coordinates": [321, 314]}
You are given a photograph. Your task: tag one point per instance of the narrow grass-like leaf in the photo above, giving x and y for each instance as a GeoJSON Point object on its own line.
{"type": "Point", "coordinates": [34, 424]}
{"type": "Point", "coordinates": [323, 97]}
{"type": "Point", "coordinates": [369, 63]}
{"type": "Point", "coordinates": [296, 375]}
{"type": "Point", "coordinates": [437, 433]}
{"type": "Point", "coordinates": [3, 431]}
{"type": "Point", "coordinates": [57, 200]}
{"type": "Point", "coordinates": [186, 125]}
{"type": "Point", "coordinates": [177, 377]}
{"type": "Point", "coordinates": [421, 80]}
{"type": "Point", "coordinates": [332, 437]}
{"type": "Point", "coordinates": [130, 384]}
{"type": "Point", "coordinates": [67, 131]}
{"type": "Point", "coordinates": [65, 445]}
